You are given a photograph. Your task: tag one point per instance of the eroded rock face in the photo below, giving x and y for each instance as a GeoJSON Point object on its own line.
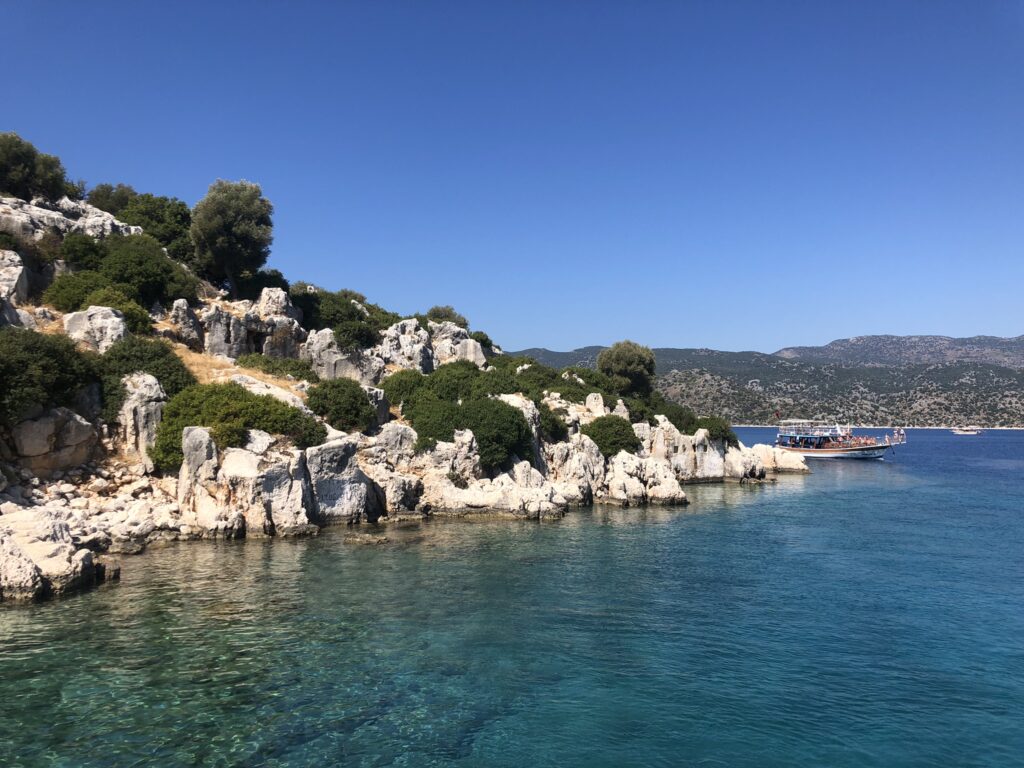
{"type": "Point", "coordinates": [224, 334]}
{"type": "Point", "coordinates": [97, 328]}
{"type": "Point", "coordinates": [777, 460]}
{"type": "Point", "coordinates": [187, 328]}
{"type": "Point", "coordinates": [577, 468]}
{"type": "Point", "coordinates": [253, 491]}
{"type": "Point", "coordinates": [13, 279]}
{"type": "Point", "coordinates": [140, 415]}
{"type": "Point", "coordinates": [451, 343]}
{"type": "Point", "coordinates": [262, 388]}
{"type": "Point", "coordinates": [33, 220]}
{"type": "Point", "coordinates": [57, 440]}
{"type": "Point", "coordinates": [38, 557]}
{"type": "Point", "coordinates": [342, 491]}
{"type": "Point", "coordinates": [406, 345]}
{"type": "Point", "coordinates": [275, 302]}
{"type": "Point", "coordinates": [322, 352]}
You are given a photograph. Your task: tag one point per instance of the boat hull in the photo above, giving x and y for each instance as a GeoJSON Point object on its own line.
{"type": "Point", "coordinates": [858, 452]}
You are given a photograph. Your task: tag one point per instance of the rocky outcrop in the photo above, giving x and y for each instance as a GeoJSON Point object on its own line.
{"type": "Point", "coordinates": [13, 279]}
{"type": "Point", "coordinates": [275, 302]}
{"type": "Point", "coordinates": [451, 342]}
{"type": "Point", "coordinates": [406, 345]}
{"type": "Point", "coordinates": [186, 326]}
{"type": "Point", "coordinates": [56, 440]}
{"type": "Point", "coordinates": [38, 557]}
{"type": "Point", "coordinates": [262, 388]}
{"type": "Point", "coordinates": [224, 334]}
{"type": "Point", "coordinates": [322, 352]}
{"type": "Point", "coordinates": [775, 459]}
{"type": "Point", "coordinates": [342, 491]}
{"type": "Point", "coordinates": [35, 219]}
{"type": "Point", "coordinates": [577, 468]}
{"type": "Point", "coordinates": [140, 415]}
{"type": "Point", "coordinates": [257, 490]}
{"type": "Point", "coordinates": [97, 328]}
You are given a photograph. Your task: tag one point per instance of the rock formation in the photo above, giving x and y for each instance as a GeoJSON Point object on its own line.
{"type": "Point", "coordinates": [96, 328]}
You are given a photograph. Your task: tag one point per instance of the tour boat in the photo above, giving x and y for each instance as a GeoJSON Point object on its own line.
{"type": "Point", "coordinates": [820, 440]}
{"type": "Point", "coordinates": [966, 430]}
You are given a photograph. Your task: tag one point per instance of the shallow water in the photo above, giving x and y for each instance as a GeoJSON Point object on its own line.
{"type": "Point", "coordinates": [869, 614]}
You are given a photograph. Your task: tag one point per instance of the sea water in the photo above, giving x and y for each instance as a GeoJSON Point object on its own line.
{"type": "Point", "coordinates": [869, 614]}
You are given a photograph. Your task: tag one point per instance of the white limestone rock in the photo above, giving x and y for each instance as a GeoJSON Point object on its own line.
{"type": "Point", "coordinates": [322, 352]}
{"type": "Point", "coordinates": [774, 459]}
{"type": "Point", "coordinates": [57, 440]}
{"type": "Point", "coordinates": [97, 328]}
{"type": "Point", "coordinates": [262, 388]}
{"type": "Point", "coordinates": [275, 302]}
{"type": "Point", "coordinates": [38, 557]}
{"type": "Point", "coordinates": [577, 468]}
{"type": "Point", "coordinates": [13, 278]}
{"type": "Point", "coordinates": [406, 345]}
{"type": "Point", "coordinates": [140, 415]}
{"type": "Point", "coordinates": [224, 334]}
{"type": "Point", "coordinates": [188, 329]}
{"type": "Point", "coordinates": [32, 220]}
{"type": "Point", "coordinates": [451, 343]}
{"type": "Point", "coordinates": [341, 490]}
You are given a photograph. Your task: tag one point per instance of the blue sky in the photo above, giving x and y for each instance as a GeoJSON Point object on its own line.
{"type": "Point", "coordinates": [724, 174]}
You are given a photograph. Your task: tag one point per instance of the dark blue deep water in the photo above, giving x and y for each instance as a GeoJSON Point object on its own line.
{"type": "Point", "coordinates": [871, 614]}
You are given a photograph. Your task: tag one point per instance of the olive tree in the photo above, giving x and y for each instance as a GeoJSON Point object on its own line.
{"type": "Point", "coordinates": [630, 365]}
{"type": "Point", "coordinates": [231, 232]}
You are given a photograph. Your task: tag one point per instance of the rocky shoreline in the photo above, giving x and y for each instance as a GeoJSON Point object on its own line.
{"type": "Point", "coordinates": [78, 492]}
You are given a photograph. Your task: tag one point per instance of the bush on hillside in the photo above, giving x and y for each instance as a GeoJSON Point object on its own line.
{"type": "Point", "coordinates": [279, 366]}
{"type": "Point", "coordinates": [496, 382]}
{"type": "Point", "coordinates": [166, 219]}
{"type": "Point", "coordinates": [356, 322]}
{"type": "Point", "coordinates": [352, 335]}
{"type": "Point", "coordinates": [39, 370]}
{"type": "Point", "coordinates": [139, 266]}
{"type": "Point", "coordinates": [137, 355]}
{"type": "Point", "coordinates": [501, 432]}
{"type": "Point", "coordinates": [251, 284]}
{"type": "Point", "coordinates": [718, 429]}
{"type": "Point", "coordinates": [401, 385]}
{"type": "Point", "coordinates": [136, 319]}
{"type": "Point", "coordinates": [25, 172]}
{"type": "Point", "coordinates": [612, 434]}
{"type": "Point", "coordinates": [447, 314]}
{"type": "Point", "coordinates": [82, 252]}
{"type": "Point", "coordinates": [435, 420]}
{"type": "Point", "coordinates": [682, 418]}
{"type": "Point", "coordinates": [111, 199]}
{"type": "Point", "coordinates": [343, 403]}
{"type": "Point", "coordinates": [453, 381]}
{"type": "Point", "coordinates": [483, 339]}
{"type": "Point", "coordinates": [552, 428]}
{"type": "Point", "coordinates": [630, 364]}
{"type": "Point", "coordinates": [229, 411]}
{"type": "Point", "coordinates": [68, 291]}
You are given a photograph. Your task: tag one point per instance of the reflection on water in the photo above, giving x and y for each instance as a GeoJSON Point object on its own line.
{"type": "Point", "coordinates": [867, 614]}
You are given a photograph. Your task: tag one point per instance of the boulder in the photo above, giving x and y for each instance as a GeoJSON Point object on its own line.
{"type": "Point", "coordinates": [532, 415]}
{"type": "Point", "coordinates": [406, 345]}
{"type": "Point", "coordinates": [451, 343]}
{"type": "Point", "coordinates": [379, 403]}
{"type": "Point", "coordinates": [341, 490]}
{"type": "Point", "coordinates": [57, 440]}
{"type": "Point", "coordinates": [258, 387]}
{"type": "Point", "coordinates": [97, 328]}
{"type": "Point", "coordinates": [200, 494]}
{"type": "Point", "coordinates": [576, 467]}
{"type": "Point", "coordinates": [224, 334]}
{"type": "Point", "coordinates": [743, 464]}
{"type": "Point", "coordinates": [322, 352]}
{"type": "Point", "coordinates": [275, 302]}
{"type": "Point", "coordinates": [632, 480]}
{"type": "Point", "coordinates": [187, 328]}
{"type": "Point", "coordinates": [278, 336]}
{"type": "Point", "coordinates": [140, 415]}
{"type": "Point", "coordinates": [775, 459]}
{"type": "Point", "coordinates": [13, 279]}
{"type": "Point", "coordinates": [38, 557]}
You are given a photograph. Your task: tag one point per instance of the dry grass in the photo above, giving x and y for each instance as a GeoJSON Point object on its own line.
{"type": "Point", "coordinates": [208, 370]}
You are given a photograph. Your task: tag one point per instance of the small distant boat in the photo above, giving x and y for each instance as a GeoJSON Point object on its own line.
{"type": "Point", "coordinates": [821, 440]}
{"type": "Point", "coordinates": [966, 430]}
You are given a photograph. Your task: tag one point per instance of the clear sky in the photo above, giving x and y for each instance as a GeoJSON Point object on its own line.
{"type": "Point", "coordinates": [736, 175]}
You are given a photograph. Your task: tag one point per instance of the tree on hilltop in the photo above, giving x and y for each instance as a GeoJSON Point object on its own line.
{"type": "Point", "coordinates": [630, 365]}
{"type": "Point", "coordinates": [231, 232]}
{"type": "Point", "coordinates": [25, 172]}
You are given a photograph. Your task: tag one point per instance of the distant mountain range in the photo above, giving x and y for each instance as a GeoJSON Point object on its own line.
{"type": "Point", "coordinates": [907, 380]}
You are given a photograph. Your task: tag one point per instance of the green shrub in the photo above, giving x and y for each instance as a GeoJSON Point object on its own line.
{"type": "Point", "coordinates": [343, 403]}
{"type": "Point", "coordinates": [496, 382]}
{"type": "Point", "coordinates": [682, 418]}
{"type": "Point", "coordinates": [433, 419]}
{"type": "Point", "coordinates": [447, 314]}
{"type": "Point", "coordinates": [500, 429]}
{"type": "Point", "coordinates": [612, 434]}
{"type": "Point", "coordinates": [133, 354]}
{"type": "Point", "coordinates": [540, 378]}
{"type": "Point", "coordinates": [82, 252]}
{"type": "Point", "coordinates": [552, 428]}
{"type": "Point", "coordinates": [138, 263]}
{"type": "Point", "coordinates": [40, 370]}
{"type": "Point", "coordinates": [136, 319]}
{"type": "Point", "coordinates": [355, 334]}
{"type": "Point", "coordinates": [251, 284]}
{"type": "Point", "coordinates": [26, 172]}
{"type": "Point", "coordinates": [279, 366]}
{"type": "Point", "coordinates": [401, 385]}
{"type": "Point", "coordinates": [167, 219]}
{"type": "Point", "coordinates": [483, 339]}
{"type": "Point", "coordinates": [70, 290]}
{"type": "Point", "coordinates": [229, 411]}
{"type": "Point", "coordinates": [355, 327]}
{"type": "Point", "coordinates": [630, 364]}
{"type": "Point", "coordinates": [718, 429]}
{"type": "Point", "coordinates": [111, 199]}
{"type": "Point", "coordinates": [453, 381]}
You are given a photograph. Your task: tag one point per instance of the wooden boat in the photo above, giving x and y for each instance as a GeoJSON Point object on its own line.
{"type": "Point", "coordinates": [821, 440]}
{"type": "Point", "coordinates": [966, 430]}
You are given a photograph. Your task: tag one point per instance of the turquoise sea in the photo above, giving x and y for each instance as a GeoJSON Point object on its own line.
{"type": "Point", "coordinates": [871, 614]}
